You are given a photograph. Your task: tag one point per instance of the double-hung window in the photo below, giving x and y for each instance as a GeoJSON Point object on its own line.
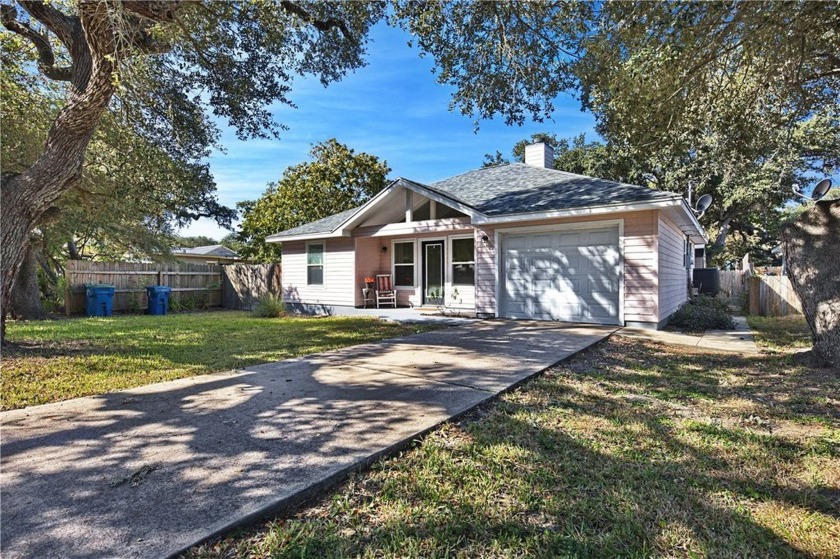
{"type": "Point", "coordinates": [463, 261]}
{"type": "Point", "coordinates": [404, 264]}
{"type": "Point", "coordinates": [315, 264]}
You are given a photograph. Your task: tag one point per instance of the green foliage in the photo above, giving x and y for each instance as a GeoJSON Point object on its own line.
{"type": "Point", "coordinates": [702, 313]}
{"type": "Point", "coordinates": [578, 156]}
{"type": "Point", "coordinates": [231, 241]}
{"type": "Point", "coordinates": [740, 98]}
{"type": "Point", "coordinates": [337, 180]}
{"type": "Point", "coordinates": [501, 58]}
{"type": "Point", "coordinates": [196, 241]}
{"type": "Point", "coordinates": [133, 194]}
{"type": "Point", "coordinates": [269, 306]}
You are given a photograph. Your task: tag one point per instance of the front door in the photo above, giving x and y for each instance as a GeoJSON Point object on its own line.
{"type": "Point", "coordinates": [433, 273]}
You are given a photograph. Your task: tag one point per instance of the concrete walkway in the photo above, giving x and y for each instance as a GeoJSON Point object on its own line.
{"type": "Point", "coordinates": [150, 471]}
{"type": "Point", "coordinates": [740, 340]}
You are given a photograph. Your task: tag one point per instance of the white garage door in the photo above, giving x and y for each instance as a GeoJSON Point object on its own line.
{"type": "Point", "coordinates": [561, 275]}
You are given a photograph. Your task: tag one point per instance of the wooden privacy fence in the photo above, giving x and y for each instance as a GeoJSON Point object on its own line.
{"type": "Point", "coordinates": [244, 284]}
{"type": "Point", "coordinates": [194, 286]}
{"type": "Point", "coordinates": [772, 295]}
{"type": "Point", "coordinates": [732, 284]}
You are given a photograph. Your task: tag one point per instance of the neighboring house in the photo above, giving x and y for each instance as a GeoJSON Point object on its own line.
{"type": "Point", "coordinates": [211, 254]}
{"type": "Point", "coordinates": [516, 241]}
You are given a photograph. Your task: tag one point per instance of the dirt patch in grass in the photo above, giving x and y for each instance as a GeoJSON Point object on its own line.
{"type": "Point", "coordinates": [630, 449]}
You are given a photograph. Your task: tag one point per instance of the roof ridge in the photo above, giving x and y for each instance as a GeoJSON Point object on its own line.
{"type": "Point", "coordinates": [569, 173]}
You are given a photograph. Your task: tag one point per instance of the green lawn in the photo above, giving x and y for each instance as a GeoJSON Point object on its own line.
{"type": "Point", "coordinates": [781, 333]}
{"type": "Point", "coordinates": [630, 449]}
{"type": "Point", "coordinates": [61, 359]}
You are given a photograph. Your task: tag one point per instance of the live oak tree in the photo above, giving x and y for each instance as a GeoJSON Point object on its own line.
{"type": "Point", "coordinates": [740, 97]}
{"type": "Point", "coordinates": [164, 64]}
{"type": "Point", "coordinates": [810, 247]}
{"type": "Point", "coordinates": [161, 64]}
{"type": "Point", "coordinates": [337, 179]}
{"type": "Point", "coordinates": [131, 196]}
{"type": "Point", "coordinates": [578, 156]}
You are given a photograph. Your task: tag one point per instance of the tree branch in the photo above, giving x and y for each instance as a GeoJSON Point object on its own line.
{"type": "Point", "coordinates": [46, 56]}
{"type": "Point", "coordinates": [161, 11]}
{"type": "Point", "coordinates": [65, 27]}
{"type": "Point", "coordinates": [321, 25]}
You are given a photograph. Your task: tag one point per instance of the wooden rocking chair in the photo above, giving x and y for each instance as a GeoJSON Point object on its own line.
{"type": "Point", "coordinates": [385, 291]}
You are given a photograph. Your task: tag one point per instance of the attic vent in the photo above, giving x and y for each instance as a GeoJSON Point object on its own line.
{"type": "Point", "coordinates": [539, 155]}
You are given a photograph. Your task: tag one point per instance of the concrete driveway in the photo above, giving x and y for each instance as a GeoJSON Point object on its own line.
{"type": "Point", "coordinates": [151, 471]}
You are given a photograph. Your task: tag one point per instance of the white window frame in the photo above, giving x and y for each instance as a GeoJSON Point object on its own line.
{"type": "Point", "coordinates": [451, 261]}
{"type": "Point", "coordinates": [323, 264]}
{"type": "Point", "coordinates": [394, 265]}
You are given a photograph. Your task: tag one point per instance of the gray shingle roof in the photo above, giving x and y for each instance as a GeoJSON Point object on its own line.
{"type": "Point", "coordinates": [324, 225]}
{"type": "Point", "coordinates": [512, 189]}
{"type": "Point", "coordinates": [209, 250]}
{"type": "Point", "coordinates": [519, 188]}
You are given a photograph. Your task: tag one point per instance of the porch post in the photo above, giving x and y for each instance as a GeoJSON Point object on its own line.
{"type": "Point", "coordinates": [409, 206]}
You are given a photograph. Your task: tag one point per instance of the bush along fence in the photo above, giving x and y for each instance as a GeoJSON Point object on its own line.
{"type": "Point", "coordinates": [194, 286]}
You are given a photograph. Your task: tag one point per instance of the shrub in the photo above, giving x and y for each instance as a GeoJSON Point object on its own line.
{"type": "Point", "coordinates": [702, 313]}
{"type": "Point", "coordinates": [269, 306]}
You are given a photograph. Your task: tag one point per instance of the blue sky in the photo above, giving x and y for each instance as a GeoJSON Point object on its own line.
{"type": "Point", "coordinates": [392, 108]}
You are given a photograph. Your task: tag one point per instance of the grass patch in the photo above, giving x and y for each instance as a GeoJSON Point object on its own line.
{"type": "Point", "coordinates": [56, 360]}
{"type": "Point", "coordinates": [781, 333]}
{"type": "Point", "coordinates": [269, 306]}
{"type": "Point", "coordinates": [630, 449]}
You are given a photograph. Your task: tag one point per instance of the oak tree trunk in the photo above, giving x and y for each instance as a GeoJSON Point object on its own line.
{"type": "Point", "coordinates": [27, 196]}
{"type": "Point", "coordinates": [25, 303]}
{"type": "Point", "coordinates": [812, 257]}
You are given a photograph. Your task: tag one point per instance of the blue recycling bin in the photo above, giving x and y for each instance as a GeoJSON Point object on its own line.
{"type": "Point", "coordinates": [99, 299]}
{"type": "Point", "coordinates": [158, 298]}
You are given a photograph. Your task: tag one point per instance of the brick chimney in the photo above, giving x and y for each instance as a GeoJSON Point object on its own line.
{"type": "Point", "coordinates": [539, 155]}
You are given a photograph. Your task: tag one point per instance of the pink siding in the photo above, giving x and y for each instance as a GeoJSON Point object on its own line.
{"type": "Point", "coordinates": [673, 275]}
{"type": "Point", "coordinates": [640, 243]}
{"type": "Point", "coordinates": [369, 262]}
{"type": "Point", "coordinates": [640, 275]}
{"type": "Point", "coordinates": [485, 271]}
{"type": "Point", "coordinates": [339, 274]}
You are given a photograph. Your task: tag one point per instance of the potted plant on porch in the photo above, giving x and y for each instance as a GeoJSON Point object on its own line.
{"type": "Point", "coordinates": [434, 296]}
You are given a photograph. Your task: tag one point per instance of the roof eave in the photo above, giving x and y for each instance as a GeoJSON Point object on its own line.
{"type": "Point", "coordinates": [305, 237]}
{"type": "Point", "coordinates": [702, 237]}
{"type": "Point", "coordinates": [342, 230]}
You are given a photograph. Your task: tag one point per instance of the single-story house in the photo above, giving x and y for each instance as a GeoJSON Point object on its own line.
{"type": "Point", "coordinates": [520, 241]}
{"type": "Point", "coordinates": [210, 254]}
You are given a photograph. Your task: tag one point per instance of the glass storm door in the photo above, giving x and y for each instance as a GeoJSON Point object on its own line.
{"type": "Point", "coordinates": [433, 272]}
